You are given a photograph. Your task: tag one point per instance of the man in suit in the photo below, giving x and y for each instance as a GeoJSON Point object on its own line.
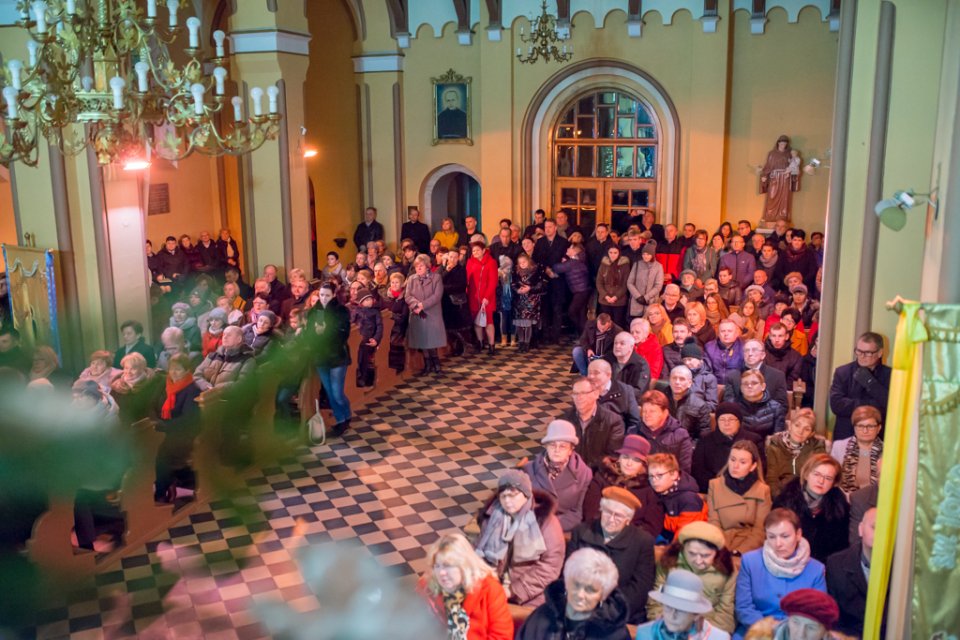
{"type": "Point", "coordinates": [754, 355]}
{"type": "Point", "coordinates": [865, 381]}
{"type": "Point", "coordinates": [548, 251]}
{"type": "Point", "coordinates": [416, 231]}
{"type": "Point", "coordinates": [452, 120]}
{"type": "Point", "coordinates": [848, 573]}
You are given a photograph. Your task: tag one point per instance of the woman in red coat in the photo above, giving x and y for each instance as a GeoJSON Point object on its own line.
{"type": "Point", "coordinates": [464, 593]}
{"type": "Point", "coordinates": [482, 292]}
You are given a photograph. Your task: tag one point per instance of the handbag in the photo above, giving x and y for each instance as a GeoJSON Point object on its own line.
{"type": "Point", "coordinates": [316, 430]}
{"type": "Point", "coordinates": [481, 319]}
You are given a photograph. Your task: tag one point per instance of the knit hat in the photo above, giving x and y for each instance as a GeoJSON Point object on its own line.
{"type": "Point", "coordinates": [650, 247]}
{"type": "Point", "coordinates": [217, 314]}
{"type": "Point", "coordinates": [515, 479]}
{"type": "Point", "coordinates": [364, 296]}
{"type": "Point", "coordinates": [621, 495]}
{"type": "Point", "coordinates": [268, 314]}
{"type": "Point", "coordinates": [686, 271]}
{"type": "Point", "coordinates": [635, 446]}
{"type": "Point", "coordinates": [729, 409]}
{"type": "Point", "coordinates": [754, 287]}
{"type": "Point", "coordinates": [561, 431]}
{"type": "Point", "coordinates": [179, 305]}
{"type": "Point", "coordinates": [702, 530]}
{"type": "Point", "coordinates": [691, 350]}
{"type": "Point", "coordinates": [813, 604]}
{"type": "Point", "coordinates": [683, 591]}
{"type": "Point", "coordinates": [801, 288]}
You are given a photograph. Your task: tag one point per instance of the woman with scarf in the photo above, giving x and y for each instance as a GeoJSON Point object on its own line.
{"type": "Point", "coordinates": [464, 593]}
{"type": "Point", "coordinates": [822, 507]}
{"type": "Point", "coordinates": [424, 294]}
{"type": "Point", "coordinates": [660, 324]}
{"type": "Point", "coordinates": [561, 472]}
{"type": "Point", "coordinates": [859, 454]}
{"type": "Point", "coordinates": [584, 605]}
{"type": "Point", "coordinates": [521, 537]}
{"type": "Point", "coordinates": [136, 389]}
{"type": "Point", "coordinates": [180, 421]}
{"type": "Point", "coordinates": [738, 499]}
{"type": "Point", "coordinates": [180, 318]}
{"type": "Point", "coordinates": [482, 278]}
{"type": "Point", "coordinates": [701, 258]}
{"type": "Point", "coordinates": [213, 334]}
{"type": "Point", "coordinates": [716, 310]}
{"type": "Point", "coordinates": [752, 323]}
{"type": "Point", "coordinates": [700, 549]}
{"type": "Point", "coordinates": [782, 565]}
{"type": "Point", "coordinates": [456, 311]}
{"type": "Point", "coordinates": [700, 329]}
{"type": "Point", "coordinates": [260, 335]}
{"type": "Point", "coordinates": [528, 287]}
{"type": "Point", "coordinates": [400, 314]}
{"type": "Point", "coordinates": [612, 277]}
{"type": "Point", "coordinates": [789, 450]}
{"type": "Point", "coordinates": [101, 370]}
{"type": "Point", "coordinates": [719, 244]}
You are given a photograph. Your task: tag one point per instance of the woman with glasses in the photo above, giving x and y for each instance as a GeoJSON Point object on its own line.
{"type": "Point", "coordinates": [821, 505]}
{"type": "Point", "coordinates": [561, 472]}
{"type": "Point", "coordinates": [464, 593]}
{"type": "Point", "coordinates": [762, 414]}
{"type": "Point", "coordinates": [789, 450]}
{"type": "Point", "coordinates": [677, 492]}
{"type": "Point", "coordinates": [859, 455]}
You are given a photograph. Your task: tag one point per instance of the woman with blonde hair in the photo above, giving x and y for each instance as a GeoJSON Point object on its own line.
{"type": "Point", "coordinates": [660, 324]}
{"type": "Point", "coordinates": [463, 591]}
{"type": "Point", "coordinates": [787, 451]}
{"type": "Point", "coordinates": [700, 328]}
{"type": "Point", "coordinates": [820, 504]}
{"type": "Point", "coordinates": [447, 236]}
{"type": "Point", "coordinates": [716, 309]}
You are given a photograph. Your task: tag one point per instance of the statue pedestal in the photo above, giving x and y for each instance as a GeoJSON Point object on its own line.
{"type": "Point", "coordinates": [770, 224]}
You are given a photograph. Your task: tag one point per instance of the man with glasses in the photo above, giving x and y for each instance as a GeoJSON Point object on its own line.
{"type": "Point", "coordinates": [630, 548]}
{"type": "Point", "coordinates": [754, 356]}
{"type": "Point", "coordinates": [600, 431]}
{"type": "Point", "coordinates": [866, 381]}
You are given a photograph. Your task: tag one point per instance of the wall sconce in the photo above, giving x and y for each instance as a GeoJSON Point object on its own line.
{"type": "Point", "coordinates": [816, 163]}
{"type": "Point", "coordinates": [893, 211]}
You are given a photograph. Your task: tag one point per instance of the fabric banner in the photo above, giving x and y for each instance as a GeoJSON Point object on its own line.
{"type": "Point", "coordinates": [31, 277]}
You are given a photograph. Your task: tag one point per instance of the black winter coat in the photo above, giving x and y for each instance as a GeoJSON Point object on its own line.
{"type": "Point", "coordinates": [775, 380]}
{"type": "Point", "coordinates": [210, 257]}
{"type": "Point", "coordinates": [549, 620]}
{"type": "Point", "coordinates": [764, 418]}
{"type": "Point", "coordinates": [671, 359]}
{"type": "Point", "coordinates": [788, 360]}
{"type": "Point", "coordinates": [712, 452]}
{"type": "Point", "coordinates": [183, 425]}
{"type": "Point", "coordinates": [419, 233]}
{"type": "Point", "coordinates": [648, 517]}
{"type": "Point", "coordinates": [636, 373]}
{"type": "Point", "coordinates": [603, 436]}
{"type": "Point", "coordinates": [632, 553]}
{"type": "Point", "coordinates": [599, 343]}
{"type": "Point", "coordinates": [848, 586]}
{"type": "Point", "coordinates": [623, 401]}
{"type": "Point", "coordinates": [670, 438]}
{"type": "Point", "coordinates": [827, 530]}
{"type": "Point", "coordinates": [329, 331]}
{"type": "Point", "coordinates": [456, 311]}
{"type": "Point", "coordinates": [367, 233]}
{"type": "Point", "coordinates": [168, 264]}
{"type": "Point", "coordinates": [854, 386]}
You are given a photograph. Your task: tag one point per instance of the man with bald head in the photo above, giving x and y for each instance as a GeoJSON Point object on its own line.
{"type": "Point", "coordinates": [628, 367]}
{"type": "Point", "coordinates": [614, 395]}
{"type": "Point", "coordinates": [599, 429]}
{"type": "Point", "coordinates": [754, 357]}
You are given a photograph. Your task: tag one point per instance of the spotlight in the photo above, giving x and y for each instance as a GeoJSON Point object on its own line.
{"type": "Point", "coordinates": [310, 152]}
{"type": "Point", "coordinates": [893, 211]}
{"type": "Point", "coordinates": [136, 164]}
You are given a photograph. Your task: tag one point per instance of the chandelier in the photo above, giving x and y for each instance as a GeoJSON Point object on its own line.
{"type": "Point", "coordinates": [105, 64]}
{"type": "Point", "coordinates": [543, 40]}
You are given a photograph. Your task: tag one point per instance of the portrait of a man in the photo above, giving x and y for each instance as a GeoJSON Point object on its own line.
{"type": "Point", "coordinates": [451, 100]}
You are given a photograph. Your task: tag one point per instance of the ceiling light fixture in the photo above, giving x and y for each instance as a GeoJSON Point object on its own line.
{"type": "Point", "coordinates": [544, 40]}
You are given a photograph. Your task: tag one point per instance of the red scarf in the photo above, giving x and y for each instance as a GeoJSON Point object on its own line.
{"type": "Point", "coordinates": [173, 388]}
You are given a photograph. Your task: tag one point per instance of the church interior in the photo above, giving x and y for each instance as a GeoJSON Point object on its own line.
{"type": "Point", "coordinates": [394, 249]}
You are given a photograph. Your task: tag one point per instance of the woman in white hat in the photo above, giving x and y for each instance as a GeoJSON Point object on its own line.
{"type": "Point", "coordinates": [561, 472]}
{"type": "Point", "coordinates": [684, 606]}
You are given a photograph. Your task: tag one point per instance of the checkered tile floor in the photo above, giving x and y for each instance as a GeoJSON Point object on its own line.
{"type": "Point", "coordinates": [417, 463]}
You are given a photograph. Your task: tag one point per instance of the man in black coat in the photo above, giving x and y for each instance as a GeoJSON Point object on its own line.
{"type": "Point", "coordinates": [848, 573]}
{"type": "Point", "coordinates": [416, 231]}
{"type": "Point", "coordinates": [539, 217]}
{"type": "Point", "coordinates": [780, 355]}
{"type": "Point", "coordinates": [798, 257]}
{"type": "Point", "coordinates": [628, 366]}
{"type": "Point", "coordinates": [861, 501]}
{"type": "Point", "coordinates": [278, 290]}
{"type": "Point", "coordinates": [548, 251]}
{"type": "Point", "coordinates": [671, 352]}
{"type": "Point", "coordinates": [502, 245]}
{"type": "Point", "coordinates": [599, 429]}
{"type": "Point", "coordinates": [211, 259]}
{"type": "Point", "coordinates": [596, 248]}
{"type": "Point", "coordinates": [630, 548]}
{"type": "Point", "coordinates": [863, 382]}
{"type": "Point", "coordinates": [172, 262]}
{"type": "Point", "coordinates": [12, 354]}
{"type": "Point", "coordinates": [614, 395]}
{"type": "Point", "coordinates": [368, 230]}
{"type": "Point", "coordinates": [754, 356]}
{"type": "Point", "coordinates": [712, 450]}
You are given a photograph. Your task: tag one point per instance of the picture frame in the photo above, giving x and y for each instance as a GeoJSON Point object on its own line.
{"type": "Point", "coordinates": [452, 111]}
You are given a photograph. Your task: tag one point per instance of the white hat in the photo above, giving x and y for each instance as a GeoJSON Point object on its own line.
{"type": "Point", "coordinates": [561, 431]}
{"type": "Point", "coordinates": [683, 591]}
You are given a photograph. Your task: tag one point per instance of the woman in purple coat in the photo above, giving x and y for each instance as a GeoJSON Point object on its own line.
{"type": "Point", "coordinates": [561, 472]}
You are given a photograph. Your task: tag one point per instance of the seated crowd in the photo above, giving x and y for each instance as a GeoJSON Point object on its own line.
{"type": "Point", "coordinates": [688, 429]}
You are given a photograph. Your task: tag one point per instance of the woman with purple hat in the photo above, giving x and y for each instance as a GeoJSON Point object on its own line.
{"type": "Point", "coordinates": [628, 470]}
{"type": "Point", "coordinates": [684, 607]}
{"type": "Point", "coordinates": [521, 537]}
{"type": "Point", "coordinates": [560, 471]}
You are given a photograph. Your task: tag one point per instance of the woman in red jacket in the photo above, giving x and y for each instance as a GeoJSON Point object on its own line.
{"type": "Point", "coordinates": [482, 292]}
{"type": "Point", "coordinates": [464, 593]}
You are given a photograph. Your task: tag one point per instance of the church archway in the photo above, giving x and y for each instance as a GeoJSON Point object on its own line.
{"type": "Point", "coordinates": [450, 190]}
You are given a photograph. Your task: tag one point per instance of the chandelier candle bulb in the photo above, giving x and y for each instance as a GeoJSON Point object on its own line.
{"type": "Point", "coordinates": [32, 52]}
{"type": "Point", "coordinates": [237, 103]}
{"type": "Point", "coordinates": [219, 76]}
{"type": "Point", "coordinates": [218, 38]}
{"type": "Point", "coordinates": [172, 6]}
{"type": "Point", "coordinates": [256, 97]}
{"type": "Point", "coordinates": [14, 67]}
{"type": "Point", "coordinates": [272, 94]}
{"type": "Point", "coordinates": [197, 90]}
{"type": "Point", "coordinates": [151, 8]}
{"type": "Point", "coordinates": [142, 69]}
{"type": "Point", "coordinates": [71, 7]}
{"type": "Point", "coordinates": [40, 15]}
{"type": "Point", "coordinates": [10, 95]}
{"type": "Point", "coordinates": [116, 85]}
{"type": "Point", "coordinates": [193, 25]}
{"type": "Point", "coordinates": [87, 83]}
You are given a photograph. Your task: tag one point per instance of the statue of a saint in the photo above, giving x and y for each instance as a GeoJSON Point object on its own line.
{"type": "Point", "coordinates": [779, 177]}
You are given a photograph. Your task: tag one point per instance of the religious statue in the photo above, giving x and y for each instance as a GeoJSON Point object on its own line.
{"type": "Point", "coordinates": [779, 177]}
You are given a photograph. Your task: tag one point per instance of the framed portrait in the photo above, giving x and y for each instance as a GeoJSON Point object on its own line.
{"type": "Point", "coordinates": [451, 109]}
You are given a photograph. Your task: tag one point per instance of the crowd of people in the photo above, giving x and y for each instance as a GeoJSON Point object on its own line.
{"type": "Point", "coordinates": [683, 488]}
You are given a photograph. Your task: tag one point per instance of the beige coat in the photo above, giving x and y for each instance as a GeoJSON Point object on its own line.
{"type": "Point", "coordinates": [740, 517]}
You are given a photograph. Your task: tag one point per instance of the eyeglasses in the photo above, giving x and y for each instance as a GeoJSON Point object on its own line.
{"type": "Point", "coordinates": [866, 354]}
{"type": "Point", "coordinates": [820, 476]}
{"type": "Point", "coordinates": [657, 477]}
{"type": "Point", "coordinates": [866, 426]}
{"type": "Point", "coordinates": [616, 517]}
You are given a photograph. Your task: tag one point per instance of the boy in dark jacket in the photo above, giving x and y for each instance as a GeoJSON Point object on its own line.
{"type": "Point", "coordinates": [370, 325]}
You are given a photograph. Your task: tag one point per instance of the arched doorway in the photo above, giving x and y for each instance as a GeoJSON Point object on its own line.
{"type": "Point", "coordinates": [451, 191]}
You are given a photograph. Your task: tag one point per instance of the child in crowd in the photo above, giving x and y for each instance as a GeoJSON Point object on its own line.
{"type": "Point", "coordinates": [370, 327]}
{"type": "Point", "coordinates": [505, 299]}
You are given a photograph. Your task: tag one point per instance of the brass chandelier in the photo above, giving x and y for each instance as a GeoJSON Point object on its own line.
{"type": "Point", "coordinates": [544, 40]}
{"type": "Point", "coordinates": [105, 64]}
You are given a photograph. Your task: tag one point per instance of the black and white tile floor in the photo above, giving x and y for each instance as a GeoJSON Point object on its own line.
{"type": "Point", "coordinates": [417, 463]}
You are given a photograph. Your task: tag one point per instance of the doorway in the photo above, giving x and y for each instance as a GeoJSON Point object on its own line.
{"type": "Point", "coordinates": [455, 195]}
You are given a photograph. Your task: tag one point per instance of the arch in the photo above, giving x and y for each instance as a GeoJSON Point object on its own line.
{"type": "Point", "coordinates": [430, 184]}
{"type": "Point", "coordinates": [558, 91]}
{"type": "Point", "coordinates": [355, 8]}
